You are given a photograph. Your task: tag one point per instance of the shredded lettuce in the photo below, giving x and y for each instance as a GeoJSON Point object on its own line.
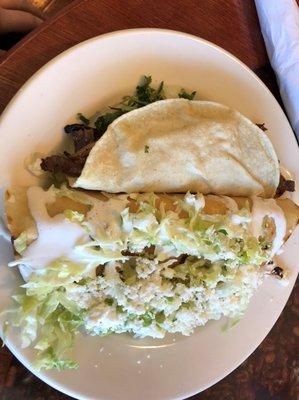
{"type": "Point", "coordinates": [48, 360]}
{"type": "Point", "coordinates": [64, 191]}
{"type": "Point", "coordinates": [48, 320]}
{"type": "Point", "coordinates": [217, 249]}
{"type": "Point", "coordinates": [20, 243]}
{"type": "Point", "coordinates": [74, 216]}
{"type": "Point", "coordinates": [213, 237]}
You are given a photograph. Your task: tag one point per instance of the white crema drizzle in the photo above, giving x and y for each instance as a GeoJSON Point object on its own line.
{"type": "Point", "coordinates": [268, 207]}
{"type": "Point", "coordinates": [57, 236]}
{"type": "Point", "coordinates": [107, 214]}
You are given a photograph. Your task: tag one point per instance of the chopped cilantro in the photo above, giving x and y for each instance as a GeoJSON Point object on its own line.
{"type": "Point", "coordinates": [58, 179]}
{"type": "Point", "coordinates": [144, 94]}
{"type": "Point", "coordinates": [185, 95]}
{"type": "Point", "coordinates": [146, 148]}
{"type": "Point", "coordinates": [160, 317]}
{"type": "Point", "coordinates": [262, 127]}
{"type": "Point", "coordinates": [147, 318]}
{"type": "Point", "coordinates": [170, 299]}
{"type": "Point", "coordinates": [120, 309]}
{"type": "Point", "coordinates": [83, 119]}
{"type": "Point", "coordinates": [103, 121]}
{"type": "Point", "coordinates": [224, 231]}
{"type": "Point", "coordinates": [129, 274]}
{"type": "Point", "coordinates": [109, 301]}
{"type": "Point", "coordinates": [146, 321]}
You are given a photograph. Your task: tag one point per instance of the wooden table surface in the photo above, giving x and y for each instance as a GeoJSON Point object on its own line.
{"type": "Point", "coordinates": [271, 372]}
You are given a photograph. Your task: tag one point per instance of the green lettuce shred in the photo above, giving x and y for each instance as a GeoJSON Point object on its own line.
{"type": "Point", "coordinates": [214, 247]}
{"type": "Point", "coordinates": [20, 243]}
{"type": "Point", "coordinates": [48, 321]}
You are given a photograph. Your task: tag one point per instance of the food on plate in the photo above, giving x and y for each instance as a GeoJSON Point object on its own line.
{"type": "Point", "coordinates": [146, 264]}
{"type": "Point", "coordinates": [89, 130]}
{"type": "Point", "coordinates": [285, 185]}
{"type": "Point", "coordinates": [178, 145]}
{"type": "Point", "coordinates": [170, 222]}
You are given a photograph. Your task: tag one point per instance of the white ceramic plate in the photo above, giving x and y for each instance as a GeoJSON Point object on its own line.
{"type": "Point", "coordinates": [86, 78]}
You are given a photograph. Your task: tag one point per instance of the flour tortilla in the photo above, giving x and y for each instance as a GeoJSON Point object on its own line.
{"type": "Point", "coordinates": [179, 145]}
{"type": "Point", "coordinates": [18, 217]}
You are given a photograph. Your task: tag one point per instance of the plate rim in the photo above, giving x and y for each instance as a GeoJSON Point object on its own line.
{"type": "Point", "coordinates": [140, 31]}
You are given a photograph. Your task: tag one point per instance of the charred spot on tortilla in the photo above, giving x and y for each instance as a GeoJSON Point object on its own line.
{"type": "Point", "coordinates": [83, 119]}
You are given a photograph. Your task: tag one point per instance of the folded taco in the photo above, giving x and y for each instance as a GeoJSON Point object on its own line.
{"type": "Point", "coordinates": [178, 145]}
